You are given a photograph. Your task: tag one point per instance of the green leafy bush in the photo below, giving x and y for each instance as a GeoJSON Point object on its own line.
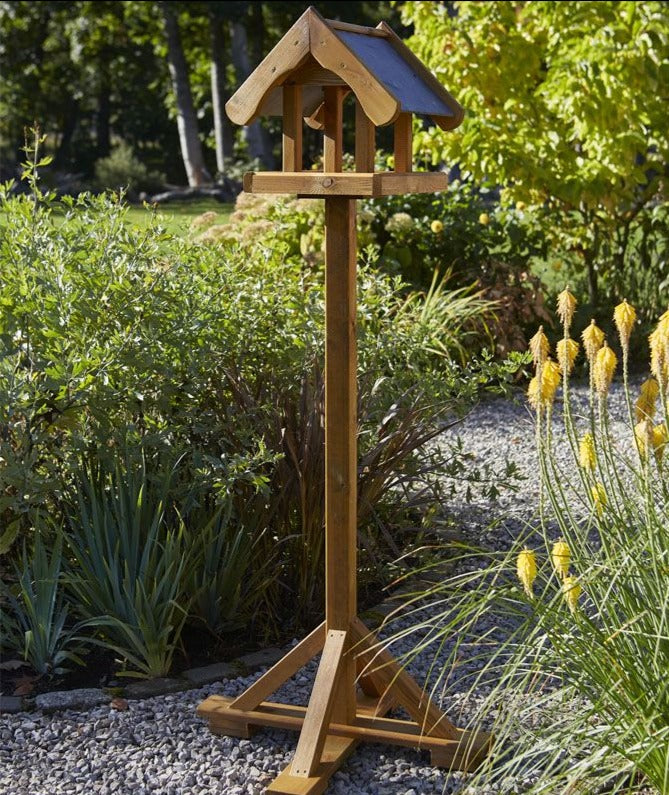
{"type": "Point", "coordinates": [461, 234]}
{"type": "Point", "coordinates": [118, 343]}
{"type": "Point", "coordinates": [121, 170]}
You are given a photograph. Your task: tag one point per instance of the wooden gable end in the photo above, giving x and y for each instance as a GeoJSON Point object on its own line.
{"type": "Point", "coordinates": [385, 76]}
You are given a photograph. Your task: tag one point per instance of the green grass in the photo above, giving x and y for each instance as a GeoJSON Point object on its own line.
{"type": "Point", "coordinates": [177, 217]}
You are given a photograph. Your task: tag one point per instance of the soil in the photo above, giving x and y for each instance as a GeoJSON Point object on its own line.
{"type": "Point", "coordinates": [102, 667]}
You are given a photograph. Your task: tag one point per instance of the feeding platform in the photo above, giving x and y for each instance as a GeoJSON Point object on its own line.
{"type": "Point", "coordinates": [305, 80]}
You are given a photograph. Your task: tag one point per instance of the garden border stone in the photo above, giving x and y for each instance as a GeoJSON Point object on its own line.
{"type": "Point", "coordinates": [85, 698]}
{"type": "Point", "coordinates": [11, 704]}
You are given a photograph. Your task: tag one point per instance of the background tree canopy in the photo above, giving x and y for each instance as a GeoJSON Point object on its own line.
{"type": "Point", "coordinates": [92, 73]}
{"type": "Point", "coordinates": [566, 108]}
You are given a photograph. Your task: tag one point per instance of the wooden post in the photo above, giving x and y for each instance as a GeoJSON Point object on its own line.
{"type": "Point", "coordinates": [292, 128]}
{"type": "Point", "coordinates": [341, 435]}
{"type": "Point", "coordinates": [333, 126]}
{"type": "Point", "coordinates": [365, 141]}
{"type": "Point", "coordinates": [403, 143]}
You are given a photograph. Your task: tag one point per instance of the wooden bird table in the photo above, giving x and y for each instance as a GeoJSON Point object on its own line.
{"type": "Point", "coordinates": [357, 682]}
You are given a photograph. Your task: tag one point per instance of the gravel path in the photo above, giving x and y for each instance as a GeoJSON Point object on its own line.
{"type": "Point", "coordinates": [160, 746]}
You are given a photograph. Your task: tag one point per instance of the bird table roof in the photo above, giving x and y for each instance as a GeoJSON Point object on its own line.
{"type": "Point", "coordinates": [385, 76]}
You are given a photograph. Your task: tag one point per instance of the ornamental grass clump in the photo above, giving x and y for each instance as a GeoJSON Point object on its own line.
{"type": "Point", "coordinates": [573, 677]}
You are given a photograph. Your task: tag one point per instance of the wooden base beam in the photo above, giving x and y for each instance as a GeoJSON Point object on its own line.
{"type": "Point", "coordinates": [464, 752]}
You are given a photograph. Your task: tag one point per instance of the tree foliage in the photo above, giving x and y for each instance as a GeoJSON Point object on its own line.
{"type": "Point", "coordinates": [566, 107]}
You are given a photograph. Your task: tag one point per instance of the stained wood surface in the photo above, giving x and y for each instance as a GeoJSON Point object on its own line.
{"type": "Point", "coordinates": [244, 106]}
{"type": "Point", "coordinates": [292, 128]}
{"type": "Point", "coordinates": [330, 51]}
{"type": "Point", "coordinates": [341, 433]}
{"type": "Point", "coordinates": [365, 141]}
{"type": "Point", "coordinates": [318, 184]}
{"type": "Point", "coordinates": [314, 730]}
{"type": "Point", "coordinates": [333, 125]}
{"type": "Point", "coordinates": [464, 751]}
{"type": "Point", "coordinates": [385, 75]}
{"type": "Point", "coordinates": [403, 135]}
{"type": "Point", "coordinates": [381, 663]}
{"type": "Point", "coordinates": [335, 752]}
{"type": "Point", "coordinates": [279, 673]}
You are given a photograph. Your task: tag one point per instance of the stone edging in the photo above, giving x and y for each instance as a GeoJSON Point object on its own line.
{"type": "Point", "coordinates": [86, 698]}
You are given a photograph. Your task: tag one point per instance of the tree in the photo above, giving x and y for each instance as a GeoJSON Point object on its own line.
{"type": "Point", "coordinates": [189, 138]}
{"type": "Point", "coordinates": [566, 108]}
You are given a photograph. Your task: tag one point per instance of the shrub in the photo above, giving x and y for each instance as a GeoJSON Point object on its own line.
{"type": "Point", "coordinates": [459, 233]}
{"type": "Point", "coordinates": [121, 170]}
{"type": "Point", "coordinates": [579, 686]}
{"type": "Point", "coordinates": [128, 565]}
{"type": "Point", "coordinates": [118, 342]}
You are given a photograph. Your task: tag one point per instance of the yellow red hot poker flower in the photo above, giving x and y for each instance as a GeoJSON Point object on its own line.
{"type": "Point", "coordinates": [539, 347]}
{"type": "Point", "coordinates": [587, 458]}
{"type": "Point", "coordinates": [567, 351]}
{"type": "Point", "coordinates": [566, 306]}
{"type": "Point", "coordinates": [593, 339]}
{"type": "Point", "coordinates": [541, 394]}
{"type": "Point", "coordinates": [571, 590]}
{"type": "Point", "coordinates": [561, 557]}
{"type": "Point", "coordinates": [624, 316]}
{"type": "Point", "coordinates": [645, 403]}
{"type": "Point", "coordinates": [603, 369]}
{"type": "Point", "coordinates": [526, 567]}
{"type": "Point", "coordinates": [659, 440]}
{"type": "Point", "coordinates": [599, 499]}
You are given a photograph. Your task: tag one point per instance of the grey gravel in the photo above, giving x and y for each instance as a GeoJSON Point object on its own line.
{"type": "Point", "coordinates": [159, 745]}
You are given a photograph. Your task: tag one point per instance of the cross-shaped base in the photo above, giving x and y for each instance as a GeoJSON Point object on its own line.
{"type": "Point", "coordinates": [326, 742]}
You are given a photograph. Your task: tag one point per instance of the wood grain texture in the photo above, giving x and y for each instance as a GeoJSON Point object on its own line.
{"type": "Point", "coordinates": [321, 703]}
{"type": "Point", "coordinates": [409, 694]}
{"type": "Point", "coordinates": [341, 432]}
{"type": "Point", "coordinates": [379, 103]}
{"type": "Point", "coordinates": [335, 752]}
{"type": "Point", "coordinates": [279, 673]}
{"type": "Point", "coordinates": [403, 143]}
{"type": "Point", "coordinates": [462, 752]}
{"type": "Point", "coordinates": [354, 185]}
{"type": "Point", "coordinates": [333, 126]}
{"type": "Point", "coordinates": [292, 51]}
{"type": "Point", "coordinates": [292, 128]}
{"type": "Point", "coordinates": [365, 141]}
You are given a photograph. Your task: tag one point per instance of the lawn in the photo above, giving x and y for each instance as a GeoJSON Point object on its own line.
{"type": "Point", "coordinates": [177, 217]}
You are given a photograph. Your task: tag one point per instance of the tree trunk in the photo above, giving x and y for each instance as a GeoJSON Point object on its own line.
{"type": "Point", "coordinates": [593, 288]}
{"type": "Point", "coordinates": [257, 137]}
{"type": "Point", "coordinates": [62, 158]}
{"type": "Point", "coordinates": [218, 90]}
{"type": "Point", "coordinates": [103, 132]}
{"type": "Point", "coordinates": [191, 148]}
